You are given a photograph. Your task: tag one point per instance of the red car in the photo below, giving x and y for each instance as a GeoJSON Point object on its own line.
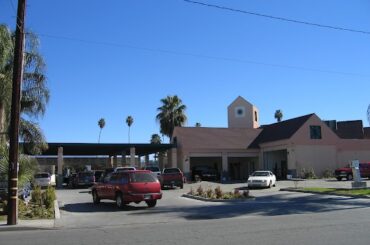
{"type": "Point", "coordinates": [130, 186]}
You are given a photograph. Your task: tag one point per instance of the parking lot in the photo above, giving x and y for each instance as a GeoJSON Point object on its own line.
{"type": "Point", "coordinates": [77, 209]}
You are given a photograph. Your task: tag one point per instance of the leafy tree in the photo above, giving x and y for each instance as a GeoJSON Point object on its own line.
{"type": "Point", "coordinates": [171, 114]}
{"type": "Point", "coordinates": [278, 115]}
{"type": "Point", "coordinates": [101, 124]}
{"type": "Point", "coordinates": [368, 114]}
{"type": "Point", "coordinates": [129, 121]}
{"type": "Point", "coordinates": [155, 139]}
{"type": "Point", "coordinates": [34, 94]}
{"type": "Point", "coordinates": [198, 125]}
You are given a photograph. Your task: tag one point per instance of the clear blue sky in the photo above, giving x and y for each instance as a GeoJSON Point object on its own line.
{"type": "Point", "coordinates": [214, 56]}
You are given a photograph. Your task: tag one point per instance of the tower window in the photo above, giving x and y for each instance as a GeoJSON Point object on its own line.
{"type": "Point", "coordinates": [255, 116]}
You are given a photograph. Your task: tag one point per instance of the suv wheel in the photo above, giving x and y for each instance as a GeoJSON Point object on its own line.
{"type": "Point", "coordinates": [350, 177]}
{"type": "Point", "coordinates": [119, 200]}
{"type": "Point", "coordinates": [270, 184]}
{"type": "Point", "coordinates": [151, 203]}
{"type": "Point", "coordinates": [96, 199]}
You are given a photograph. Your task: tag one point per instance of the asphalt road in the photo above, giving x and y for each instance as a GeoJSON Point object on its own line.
{"type": "Point", "coordinates": [273, 218]}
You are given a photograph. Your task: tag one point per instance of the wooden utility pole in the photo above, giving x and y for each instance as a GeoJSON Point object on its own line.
{"type": "Point", "coordinates": [14, 117]}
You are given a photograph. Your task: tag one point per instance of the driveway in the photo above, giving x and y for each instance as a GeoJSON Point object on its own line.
{"type": "Point", "coordinates": [77, 209]}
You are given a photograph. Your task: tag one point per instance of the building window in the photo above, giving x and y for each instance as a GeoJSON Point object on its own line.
{"type": "Point", "coordinates": [315, 132]}
{"type": "Point", "coordinates": [239, 111]}
{"type": "Point", "coordinates": [255, 116]}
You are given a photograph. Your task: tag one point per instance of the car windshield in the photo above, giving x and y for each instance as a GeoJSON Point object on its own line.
{"type": "Point", "coordinates": [38, 176]}
{"type": "Point", "coordinates": [153, 169]}
{"type": "Point", "coordinates": [171, 170]}
{"type": "Point", "coordinates": [260, 174]}
{"type": "Point", "coordinates": [142, 177]}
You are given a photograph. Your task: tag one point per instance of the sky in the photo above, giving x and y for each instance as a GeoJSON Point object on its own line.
{"type": "Point", "coordinates": [111, 59]}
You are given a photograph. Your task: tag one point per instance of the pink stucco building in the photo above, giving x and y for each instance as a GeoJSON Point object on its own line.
{"type": "Point", "coordinates": [286, 147]}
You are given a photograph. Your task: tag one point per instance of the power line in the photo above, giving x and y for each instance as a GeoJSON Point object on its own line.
{"type": "Point", "coordinates": [210, 57]}
{"type": "Point", "coordinates": [277, 18]}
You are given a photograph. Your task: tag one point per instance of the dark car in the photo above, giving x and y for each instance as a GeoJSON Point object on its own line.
{"type": "Point", "coordinates": [82, 179]}
{"type": "Point", "coordinates": [204, 173]}
{"type": "Point", "coordinates": [129, 186]}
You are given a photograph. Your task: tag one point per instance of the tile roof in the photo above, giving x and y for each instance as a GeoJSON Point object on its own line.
{"type": "Point", "coordinates": [279, 131]}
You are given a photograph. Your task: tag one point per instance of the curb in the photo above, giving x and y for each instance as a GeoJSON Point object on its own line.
{"type": "Point", "coordinates": [56, 210]}
{"type": "Point", "coordinates": [323, 193]}
{"type": "Point", "coordinates": [217, 200]}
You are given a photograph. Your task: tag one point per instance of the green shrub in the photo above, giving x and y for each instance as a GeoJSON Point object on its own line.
{"type": "Point", "coordinates": [246, 193]}
{"type": "Point", "coordinates": [4, 207]}
{"type": "Point", "coordinates": [36, 196]}
{"type": "Point", "coordinates": [218, 192]}
{"type": "Point", "coordinates": [327, 174]}
{"type": "Point", "coordinates": [48, 197]}
{"type": "Point", "coordinates": [209, 193]}
{"type": "Point", "coordinates": [237, 194]}
{"type": "Point", "coordinates": [200, 191]}
{"type": "Point", "coordinates": [308, 174]}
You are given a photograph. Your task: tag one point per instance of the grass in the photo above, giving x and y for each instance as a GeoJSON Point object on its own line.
{"type": "Point", "coordinates": [349, 192]}
{"type": "Point", "coordinates": [2, 217]}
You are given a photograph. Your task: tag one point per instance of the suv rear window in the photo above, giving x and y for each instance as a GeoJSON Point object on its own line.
{"type": "Point", "coordinates": [171, 170]}
{"type": "Point", "coordinates": [153, 169]}
{"type": "Point", "coordinates": [142, 177]}
{"type": "Point", "coordinates": [38, 176]}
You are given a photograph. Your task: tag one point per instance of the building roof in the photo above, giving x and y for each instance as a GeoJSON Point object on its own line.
{"type": "Point", "coordinates": [279, 131]}
{"type": "Point", "coordinates": [215, 138]}
{"type": "Point", "coordinates": [350, 129]}
{"type": "Point", "coordinates": [93, 149]}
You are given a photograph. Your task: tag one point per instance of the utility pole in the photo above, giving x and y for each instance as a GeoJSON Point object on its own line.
{"type": "Point", "coordinates": [14, 117]}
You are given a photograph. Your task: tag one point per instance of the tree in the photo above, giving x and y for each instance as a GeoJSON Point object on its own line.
{"type": "Point", "coordinates": [155, 139]}
{"type": "Point", "coordinates": [129, 121]}
{"type": "Point", "coordinates": [34, 94]}
{"type": "Point", "coordinates": [171, 114]}
{"type": "Point", "coordinates": [198, 125]}
{"type": "Point", "coordinates": [101, 124]}
{"type": "Point", "coordinates": [278, 115]}
{"type": "Point", "coordinates": [368, 114]}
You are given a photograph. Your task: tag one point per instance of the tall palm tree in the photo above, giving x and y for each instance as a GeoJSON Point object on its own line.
{"type": "Point", "coordinates": [155, 139]}
{"type": "Point", "coordinates": [101, 124]}
{"type": "Point", "coordinates": [129, 121]}
{"type": "Point", "coordinates": [171, 114]}
{"type": "Point", "coordinates": [278, 115]}
{"type": "Point", "coordinates": [34, 94]}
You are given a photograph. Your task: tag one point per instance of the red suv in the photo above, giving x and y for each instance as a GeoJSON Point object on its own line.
{"type": "Point", "coordinates": [130, 186]}
{"type": "Point", "coordinates": [346, 172]}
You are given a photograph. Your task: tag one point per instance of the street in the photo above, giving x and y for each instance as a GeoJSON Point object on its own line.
{"type": "Point", "coordinates": [274, 217]}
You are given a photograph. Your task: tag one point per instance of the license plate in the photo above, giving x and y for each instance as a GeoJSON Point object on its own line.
{"type": "Point", "coordinates": [147, 197]}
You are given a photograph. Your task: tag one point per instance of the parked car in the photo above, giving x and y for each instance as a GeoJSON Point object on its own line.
{"type": "Point", "coordinates": [262, 179]}
{"type": "Point", "coordinates": [204, 173]}
{"type": "Point", "coordinates": [129, 186]}
{"type": "Point", "coordinates": [154, 170]}
{"type": "Point", "coordinates": [98, 174]}
{"type": "Point", "coordinates": [122, 169]}
{"type": "Point", "coordinates": [24, 191]}
{"type": "Point", "coordinates": [172, 177]}
{"type": "Point", "coordinates": [346, 172]}
{"type": "Point", "coordinates": [42, 179]}
{"type": "Point", "coordinates": [81, 179]}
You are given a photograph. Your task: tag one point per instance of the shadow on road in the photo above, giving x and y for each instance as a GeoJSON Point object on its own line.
{"type": "Point", "coordinates": [101, 207]}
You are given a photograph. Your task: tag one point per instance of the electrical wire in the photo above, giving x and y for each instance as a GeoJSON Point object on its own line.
{"type": "Point", "coordinates": [210, 57]}
{"type": "Point", "coordinates": [277, 18]}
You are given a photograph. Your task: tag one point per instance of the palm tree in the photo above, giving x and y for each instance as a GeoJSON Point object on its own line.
{"type": "Point", "coordinates": [171, 114]}
{"type": "Point", "coordinates": [155, 139]}
{"type": "Point", "coordinates": [278, 115]}
{"type": "Point", "coordinates": [34, 95]}
{"type": "Point", "coordinates": [198, 125]}
{"type": "Point", "coordinates": [101, 124]}
{"type": "Point", "coordinates": [368, 114]}
{"type": "Point", "coordinates": [129, 121]}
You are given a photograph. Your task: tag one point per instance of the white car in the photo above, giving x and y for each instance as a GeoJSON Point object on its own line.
{"type": "Point", "coordinates": [154, 169]}
{"type": "Point", "coordinates": [262, 179]}
{"type": "Point", "coordinates": [42, 180]}
{"type": "Point", "coordinates": [123, 169]}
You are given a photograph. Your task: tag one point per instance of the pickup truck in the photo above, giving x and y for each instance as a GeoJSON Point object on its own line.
{"type": "Point", "coordinates": [171, 177]}
{"type": "Point", "coordinates": [346, 172]}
